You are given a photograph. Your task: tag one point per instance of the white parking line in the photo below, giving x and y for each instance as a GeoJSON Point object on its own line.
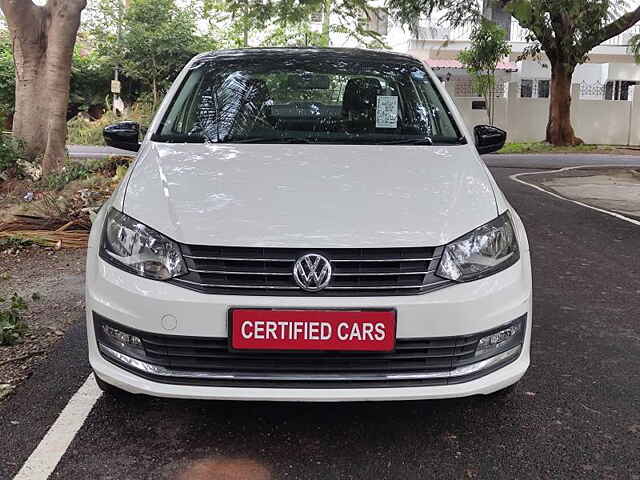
{"type": "Point", "coordinates": [45, 457]}
{"type": "Point", "coordinates": [516, 177]}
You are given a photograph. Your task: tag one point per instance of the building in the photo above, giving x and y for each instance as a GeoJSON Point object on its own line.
{"type": "Point", "coordinates": [608, 74]}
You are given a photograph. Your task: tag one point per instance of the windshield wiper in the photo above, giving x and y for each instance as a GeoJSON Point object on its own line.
{"type": "Point", "coordinates": [269, 140]}
{"type": "Point", "coordinates": [408, 141]}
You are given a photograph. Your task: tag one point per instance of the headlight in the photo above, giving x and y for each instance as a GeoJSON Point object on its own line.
{"type": "Point", "coordinates": [132, 246]}
{"type": "Point", "coordinates": [484, 251]}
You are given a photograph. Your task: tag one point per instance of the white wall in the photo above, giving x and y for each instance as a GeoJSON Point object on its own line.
{"type": "Point", "coordinates": [588, 72]}
{"type": "Point", "coordinates": [623, 71]}
{"type": "Point", "coordinates": [606, 122]}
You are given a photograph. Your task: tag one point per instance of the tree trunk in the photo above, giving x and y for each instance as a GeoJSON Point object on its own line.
{"type": "Point", "coordinates": [43, 40]}
{"type": "Point", "coordinates": [559, 129]}
{"type": "Point", "coordinates": [326, 23]}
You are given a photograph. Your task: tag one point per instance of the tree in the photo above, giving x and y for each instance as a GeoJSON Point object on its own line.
{"type": "Point", "coordinates": [565, 30]}
{"type": "Point", "coordinates": [488, 47]}
{"type": "Point", "coordinates": [150, 40]}
{"type": "Point", "coordinates": [287, 22]}
{"type": "Point", "coordinates": [158, 38]}
{"type": "Point", "coordinates": [43, 38]}
{"type": "Point", "coordinates": [634, 47]}
{"type": "Point", "coordinates": [90, 80]}
{"type": "Point", "coordinates": [234, 21]}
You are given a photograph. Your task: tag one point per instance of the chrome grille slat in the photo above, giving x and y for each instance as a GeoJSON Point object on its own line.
{"type": "Point", "coordinates": [384, 260]}
{"type": "Point", "coordinates": [285, 260]}
{"type": "Point", "coordinates": [269, 271]}
{"type": "Point", "coordinates": [355, 287]}
{"type": "Point", "coordinates": [381, 288]}
{"type": "Point", "coordinates": [226, 285]}
{"type": "Point", "coordinates": [237, 259]}
{"type": "Point", "coordinates": [223, 272]}
{"type": "Point", "coordinates": [335, 274]}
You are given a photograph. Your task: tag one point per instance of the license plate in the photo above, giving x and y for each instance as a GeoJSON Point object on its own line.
{"type": "Point", "coordinates": [265, 329]}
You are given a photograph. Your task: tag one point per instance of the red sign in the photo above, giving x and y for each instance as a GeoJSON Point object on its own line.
{"type": "Point", "coordinates": [263, 329]}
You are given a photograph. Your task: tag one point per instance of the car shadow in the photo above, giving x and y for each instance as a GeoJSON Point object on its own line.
{"type": "Point", "coordinates": [293, 440]}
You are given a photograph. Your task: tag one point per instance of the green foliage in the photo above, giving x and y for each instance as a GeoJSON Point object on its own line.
{"type": "Point", "coordinates": [82, 131]}
{"type": "Point", "coordinates": [11, 151]}
{"type": "Point", "coordinates": [295, 35]}
{"type": "Point", "coordinates": [634, 47]}
{"type": "Point", "coordinates": [7, 76]}
{"type": "Point", "coordinates": [288, 22]}
{"type": "Point", "coordinates": [488, 47]}
{"type": "Point", "coordinates": [68, 173]}
{"type": "Point", "coordinates": [543, 147]}
{"type": "Point", "coordinates": [151, 40]}
{"type": "Point", "coordinates": [121, 171]}
{"type": "Point", "coordinates": [90, 78]}
{"type": "Point", "coordinates": [10, 242]}
{"type": "Point", "coordinates": [12, 326]}
{"type": "Point", "coordinates": [235, 21]}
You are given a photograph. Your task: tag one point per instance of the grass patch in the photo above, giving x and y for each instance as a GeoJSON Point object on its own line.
{"type": "Point", "coordinates": [70, 172]}
{"type": "Point", "coordinates": [91, 172]}
{"type": "Point", "coordinates": [12, 326]}
{"type": "Point", "coordinates": [543, 147]}
{"type": "Point", "coordinates": [10, 242]}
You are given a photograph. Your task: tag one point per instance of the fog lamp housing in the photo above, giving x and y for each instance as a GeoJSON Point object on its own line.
{"type": "Point", "coordinates": [121, 338]}
{"type": "Point", "coordinates": [500, 340]}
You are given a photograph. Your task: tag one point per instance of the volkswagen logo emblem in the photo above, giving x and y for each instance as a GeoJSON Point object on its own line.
{"type": "Point", "coordinates": [312, 272]}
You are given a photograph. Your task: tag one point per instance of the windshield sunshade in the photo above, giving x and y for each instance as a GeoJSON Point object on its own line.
{"type": "Point", "coordinates": [306, 98]}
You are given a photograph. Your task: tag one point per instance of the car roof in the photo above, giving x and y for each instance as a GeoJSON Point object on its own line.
{"type": "Point", "coordinates": [346, 54]}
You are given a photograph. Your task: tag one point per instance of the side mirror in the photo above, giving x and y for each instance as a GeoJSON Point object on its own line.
{"type": "Point", "coordinates": [489, 139]}
{"type": "Point", "coordinates": [123, 135]}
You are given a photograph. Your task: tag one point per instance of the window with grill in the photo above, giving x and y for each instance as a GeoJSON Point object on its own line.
{"type": "Point", "coordinates": [526, 88]}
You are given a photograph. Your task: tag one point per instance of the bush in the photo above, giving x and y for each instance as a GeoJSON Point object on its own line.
{"type": "Point", "coordinates": [81, 131]}
{"type": "Point", "coordinates": [11, 151]}
{"type": "Point", "coordinates": [12, 327]}
{"type": "Point", "coordinates": [69, 173]}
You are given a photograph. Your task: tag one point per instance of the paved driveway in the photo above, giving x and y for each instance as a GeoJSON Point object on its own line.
{"type": "Point", "coordinates": [576, 414]}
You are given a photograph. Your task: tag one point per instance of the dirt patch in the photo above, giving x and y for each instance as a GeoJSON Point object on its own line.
{"type": "Point", "coordinates": [612, 188]}
{"type": "Point", "coordinates": [52, 284]}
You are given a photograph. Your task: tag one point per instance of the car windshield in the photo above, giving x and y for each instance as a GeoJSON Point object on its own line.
{"type": "Point", "coordinates": [306, 98]}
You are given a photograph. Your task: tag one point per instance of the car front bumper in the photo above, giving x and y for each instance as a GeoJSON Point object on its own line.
{"type": "Point", "coordinates": [165, 309]}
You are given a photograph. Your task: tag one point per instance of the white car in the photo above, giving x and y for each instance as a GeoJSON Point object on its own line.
{"type": "Point", "coordinates": [308, 225]}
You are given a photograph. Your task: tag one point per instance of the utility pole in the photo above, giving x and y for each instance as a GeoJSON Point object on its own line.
{"type": "Point", "coordinates": [245, 24]}
{"type": "Point", "coordinates": [326, 23]}
{"type": "Point", "coordinates": [115, 84]}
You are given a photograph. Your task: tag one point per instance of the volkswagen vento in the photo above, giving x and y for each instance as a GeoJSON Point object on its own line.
{"type": "Point", "coordinates": [308, 224]}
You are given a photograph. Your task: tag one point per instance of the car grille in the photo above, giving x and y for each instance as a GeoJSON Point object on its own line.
{"type": "Point", "coordinates": [269, 271]}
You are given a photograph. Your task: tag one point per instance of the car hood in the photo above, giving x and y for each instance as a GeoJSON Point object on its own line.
{"type": "Point", "coordinates": [309, 196]}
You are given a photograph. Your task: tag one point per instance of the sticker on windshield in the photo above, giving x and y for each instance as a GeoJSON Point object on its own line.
{"type": "Point", "coordinates": [387, 112]}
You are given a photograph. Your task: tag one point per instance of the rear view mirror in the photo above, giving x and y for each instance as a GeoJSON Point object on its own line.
{"type": "Point", "coordinates": [308, 82]}
{"type": "Point", "coordinates": [489, 139]}
{"type": "Point", "coordinates": [123, 135]}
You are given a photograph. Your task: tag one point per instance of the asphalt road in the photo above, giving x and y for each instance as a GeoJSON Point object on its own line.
{"type": "Point", "coordinates": [576, 414]}
{"type": "Point", "coordinates": [94, 151]}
